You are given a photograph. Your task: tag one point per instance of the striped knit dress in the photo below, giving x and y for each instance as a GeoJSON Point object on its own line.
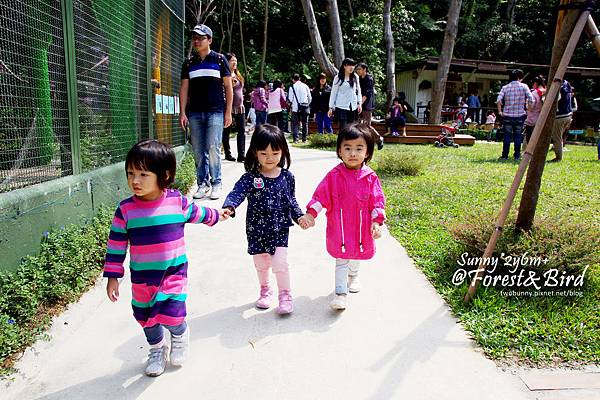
{"type": "Point", "coordinates": [158, 264]}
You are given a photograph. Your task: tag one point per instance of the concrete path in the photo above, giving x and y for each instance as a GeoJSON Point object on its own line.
{"type": "Point", "coordinates": [396, 340]}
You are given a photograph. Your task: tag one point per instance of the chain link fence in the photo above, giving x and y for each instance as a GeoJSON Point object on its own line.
{"type": "Point", "coordinates": [112, 79]}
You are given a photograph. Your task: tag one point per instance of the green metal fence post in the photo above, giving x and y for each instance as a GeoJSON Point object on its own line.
{"type": "Point", "coordinates": [149, 86]}
{"type": "Point", "coordinates": [71, 78]}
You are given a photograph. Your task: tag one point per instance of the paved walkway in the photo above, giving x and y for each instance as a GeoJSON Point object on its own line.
{"type": "Point", "coordinates": [396, 340]}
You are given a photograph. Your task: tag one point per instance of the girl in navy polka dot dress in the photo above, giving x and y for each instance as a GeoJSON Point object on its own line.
{"type": "Point", "coordinates": [272, 208]}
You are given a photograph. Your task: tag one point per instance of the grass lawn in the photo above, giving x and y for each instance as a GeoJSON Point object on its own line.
{"type": "Point", "coordinates": [463, 190]}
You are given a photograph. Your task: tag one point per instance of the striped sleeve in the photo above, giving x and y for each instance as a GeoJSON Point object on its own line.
{"type": "Point", "coordinates": [195, 214]}
{"type": "Point", "coordinates": [116, 248]}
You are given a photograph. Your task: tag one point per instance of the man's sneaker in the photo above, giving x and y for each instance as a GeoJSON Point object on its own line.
{"type": "Point", "coordinates": [380, 143]}
{"type": "Point", "coordinates": [157, 360]}
{"type": "Point", "coordinates": [216, 192]}
{"type": "Point", "coordinates": [179, 346]}
{"type": "Point", "coordinates": [338, 302]}
{"type": "Point", "coordinates": [285, 303]}
{"type": "Point", "coordinates": [202, 191]}
{"type": "Point", "coordinates": [353, 284]}
{"type": "Point", "coordinates": [266, 295]}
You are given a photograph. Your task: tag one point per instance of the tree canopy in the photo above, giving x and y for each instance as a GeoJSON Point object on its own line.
{"type": "Point", "coordinates": [499, 30]}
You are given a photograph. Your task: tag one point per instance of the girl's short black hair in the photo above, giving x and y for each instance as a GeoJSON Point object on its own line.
{"type": "Point", "coordinates": [354, 131]}
{"type": "Point", "coordinates": [266, 135]}
{"type": "Point", "coordinates": [154, 156]}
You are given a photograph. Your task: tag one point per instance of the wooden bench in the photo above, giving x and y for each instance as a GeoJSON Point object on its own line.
{"type": "Point", "coordinates": [415, 133]}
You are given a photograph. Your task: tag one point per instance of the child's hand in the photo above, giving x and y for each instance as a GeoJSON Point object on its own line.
{"type": "Point", "coordinates": [375, 230]}
{"type": "Point", "coordinates": [224, 214]}
{"type": "Point", "coordinates": [112, 289]}
{"type": "Point", "coordinates": [303, 222]}
{"type": "Point", "coordinates": [310, 220]}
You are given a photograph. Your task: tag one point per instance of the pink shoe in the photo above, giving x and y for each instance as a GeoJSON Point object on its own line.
{"type": "Point", "coordinates": [285, 303]}
{"type": "Point", "coordinates": [266, 295]}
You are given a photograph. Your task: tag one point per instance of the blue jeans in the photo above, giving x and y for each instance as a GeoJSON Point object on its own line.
{"type": "Point", "coordinates": [154, 334]}
{"type": "Point", "coordinates": [206, 135]}
{"type": "Point", "coordinates": [513, 131]}
{"type": "Point", "coordinates": [598, 148]}
{"type": "Point", "coordinates": [261, 118]}
{"type": "Point", "coordinates": [323, 122]}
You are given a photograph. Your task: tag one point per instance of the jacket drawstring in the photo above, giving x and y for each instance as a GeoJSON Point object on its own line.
{"type": "Point", "coordinates": [360, 232]}
{"type": "Point", "coordinates": [342, 225]}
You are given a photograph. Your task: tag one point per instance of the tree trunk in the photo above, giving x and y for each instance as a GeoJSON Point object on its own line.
{"type": "Point", "coordinates": [390, 70]}
{"type": "Point", "coordinates": [242, 36]}
{"type": "Point", "coordinates": [264, 50]}
{"type": "Point", "coordinates": [315, 39]}
{"type": "Point", "coordinates": [510, 22]}
{"type": "Point", "coordinates": [350, 9]}
{"type": "Point", "coordinates": [439, 88]}
{"type": "Point", "coordinates": [531, 189]}
{"type": "Point", "coordinates": [336, 32]}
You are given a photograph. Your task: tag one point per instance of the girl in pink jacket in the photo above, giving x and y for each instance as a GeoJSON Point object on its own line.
{"type": "Point", "coordinates": [352, 194]}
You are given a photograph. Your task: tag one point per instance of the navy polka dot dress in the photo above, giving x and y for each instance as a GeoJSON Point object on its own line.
{"type": "Point", "coordinates": [272, 209]}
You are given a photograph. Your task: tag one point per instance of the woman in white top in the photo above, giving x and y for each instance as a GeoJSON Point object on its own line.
{"type": "Point", "coordinates": [345, 100]}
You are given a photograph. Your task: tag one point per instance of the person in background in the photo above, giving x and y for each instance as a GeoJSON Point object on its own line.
{"type": "Point", "coordinates": [513, 101]}
{"type": "Point", "coordinates": [474, 106]}
{"type": "Point", "coordinates": [367, 89]}
{"type": "Point", "coordinates": [206, 83]}
{"type": "Point", "coordinates": [564, 116]}
{"type": "Point", "coordinates": [260, 102]}
{"type": "Point", "coordinates": [320, 104]}
{"type": "Point", "coordinates": [346, 97]}
{"type": "Point", "coordinates": [238, 112]}
{"type": "Point", "coordinates": [277, 103]}
{"type": "Point", "coordinates": [300, 98]}
{"type": "Point", "coordinates": [538, 90]}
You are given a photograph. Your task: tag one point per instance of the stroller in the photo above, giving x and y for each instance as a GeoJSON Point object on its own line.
{"type": "Point", "coordinates": [446, 138]}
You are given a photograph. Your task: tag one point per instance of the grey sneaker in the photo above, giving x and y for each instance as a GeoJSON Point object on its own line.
{"type": "Point", "coordinates": [157, 360]}
{"type": "Point", "coordinates": [216, 192]}
{"type": "Point", "coordinates": [179, 346]}
{"type": "Point", "coordinates": [202, 191]}
{"type": "Point", "coordinates": [338, 302]}
{"type": "Point", "coordinates": [353, 284]}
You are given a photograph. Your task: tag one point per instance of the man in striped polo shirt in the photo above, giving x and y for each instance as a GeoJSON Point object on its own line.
{"type": "Point", "coordinates": [517, 99]}
{"type": "Point", "coordinates": [206, 83]}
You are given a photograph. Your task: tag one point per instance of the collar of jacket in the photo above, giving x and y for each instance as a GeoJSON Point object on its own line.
{"type": "Point", "coordinates": [363, 172]}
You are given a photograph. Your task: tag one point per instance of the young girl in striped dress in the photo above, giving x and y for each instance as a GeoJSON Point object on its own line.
{"type": "Point", "coordinates": [151, 222]}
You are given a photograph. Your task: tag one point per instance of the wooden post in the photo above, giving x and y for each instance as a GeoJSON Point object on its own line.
{"type": "Point", "coordinates": [548, 105]}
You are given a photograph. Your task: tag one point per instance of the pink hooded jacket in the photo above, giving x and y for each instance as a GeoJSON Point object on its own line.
{"type": "Point", "coordinates": [353, 199]}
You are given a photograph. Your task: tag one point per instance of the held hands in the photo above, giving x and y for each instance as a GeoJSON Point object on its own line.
{"type": "Point", "coordinates": [225, 213]}
{"type": "Point", "coordinates": [112, 289]}
{"type": "Point", "coordinates": [330, 113]}
{"type": "Point", "coordinates": [306, 221]}
{"type": "Point", "coordinates": [375, 230]}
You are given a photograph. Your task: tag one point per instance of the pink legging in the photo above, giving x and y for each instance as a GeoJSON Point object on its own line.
{"type": "Point", "coordinates": [278, 262]}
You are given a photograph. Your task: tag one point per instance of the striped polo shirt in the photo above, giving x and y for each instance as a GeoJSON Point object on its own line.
{"type": "Point", "coordinates": [206, 92]}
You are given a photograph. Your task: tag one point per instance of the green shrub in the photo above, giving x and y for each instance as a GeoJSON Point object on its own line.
{"type": "Point", "coordinates": [317, 141]}
{"type": "Point", "coordinates": [69, 262]}
{"type": "Point", "coordinates": [186, 174]}
{"type": "Point", "coordinates": [568, 246]}
{"type": "Point", "coordinates": [396, 163]}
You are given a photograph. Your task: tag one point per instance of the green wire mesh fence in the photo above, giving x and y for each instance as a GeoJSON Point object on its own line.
{"type": "Point", "coordinates": [112, 78]}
